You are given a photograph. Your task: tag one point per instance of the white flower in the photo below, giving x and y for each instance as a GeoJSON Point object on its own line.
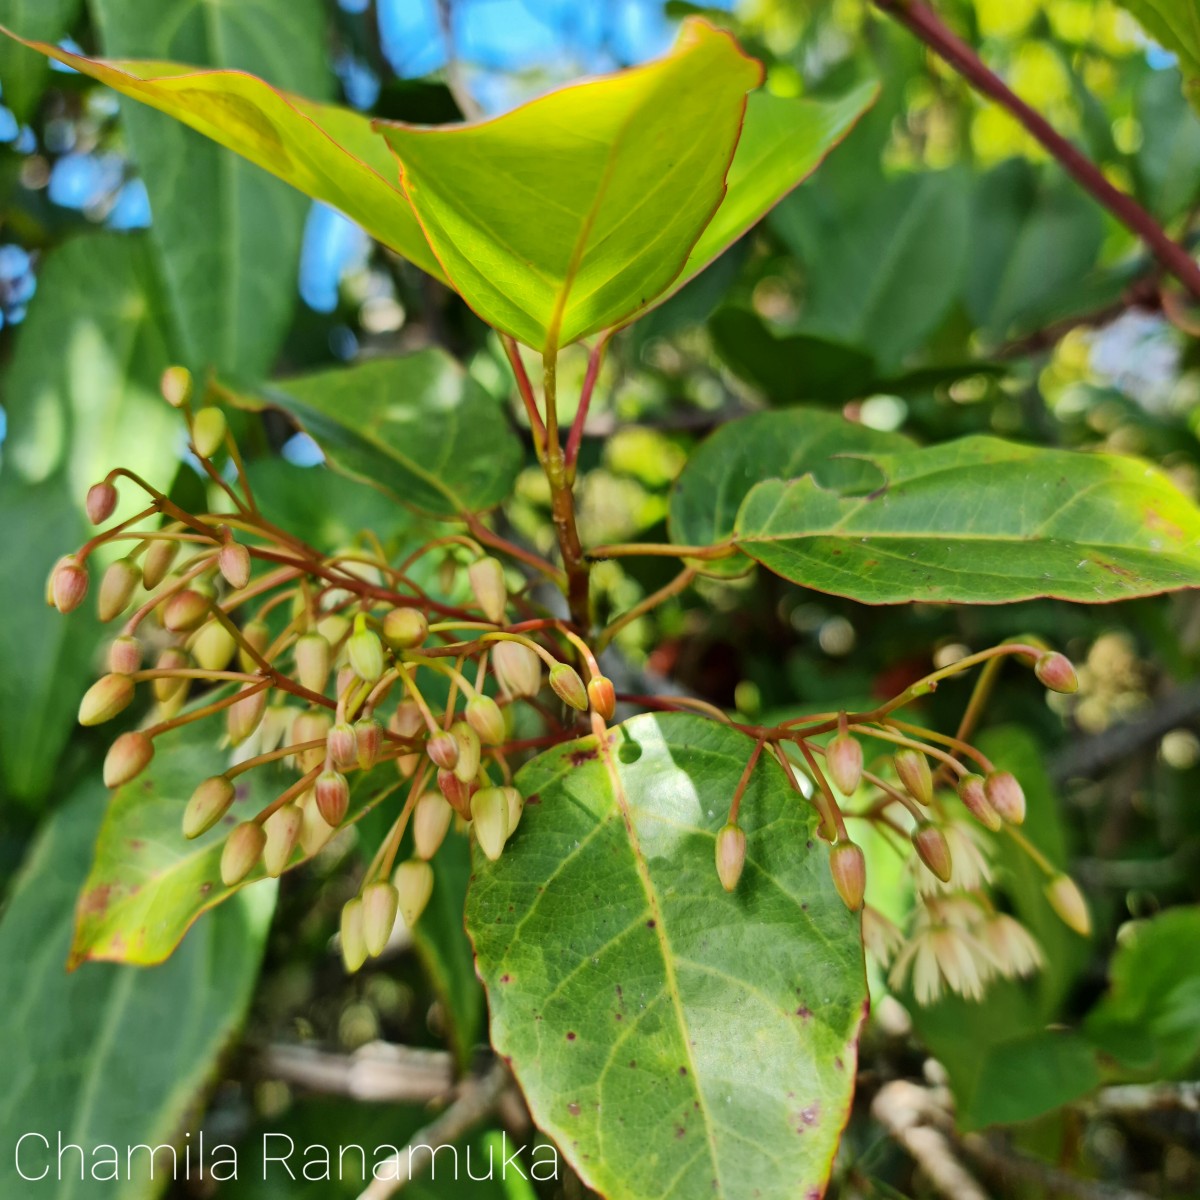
{"type": "Point", "coordinates": [970, 861]}
{"type": "Point", "coordinates": [943, 955]}
{"type": "Point", "coordinates": [1013, 950]}
{"type": "Point", "coordinates": [881, 937]}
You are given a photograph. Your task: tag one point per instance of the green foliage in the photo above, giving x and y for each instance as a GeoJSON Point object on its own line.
{"type": "Point", "coordinates": [24, 74]}
{"type": "Point", "coordinates": [1176, 24]}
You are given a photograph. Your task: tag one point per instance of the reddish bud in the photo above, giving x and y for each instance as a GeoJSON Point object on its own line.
{"type": "Point", "coordinates": [603, 696]}
{"type": "Point", "coordinates": [342, 746]}
{"type": "Point", "coordinates": [107, 697]}
{"type": "Point", "coordinates": [68, 584]}
{"type": "Point", "coordinates": [404, 628]}
{"type": "Point", "coordinates": [176, 386]}
{"type": "Point", "coordinates": [208, 804]}
{"type": "Point", "coordinates": [282, 829]}
{"type": "Point", "coordinates": [213, 646]}
{"type": "Point", "coordinates": [442, 748]}
{"type": "Point", "coordinates": [913, 769]}
{"type": "Point", "coordinates": [1056, 672]}
{"type": "Point", "coordinates": [489, 819]}
{"type": "Point", "coordinates": [731, 855]}
{"type": "Point", "coordinates": [414, 886]}
{"type": "Point", "coordinates": [127, 758]}
{"type": "Point", "coordinates": [158, 560]}
{"type": "Point", "coordinates": [1067, 901]}
{"type": "Point", "coordinates": [208, 431]}
{"type": "Point", "coordinates": [407, 722]}
{"type": "Point", "coordinates": [484, 716]}
{"type": "Point", "coordinates": [431, 822]}
{"type": "Point", "coordinates": [368, 737]}
{"type": "Point", "coordinates": [568, 687]}
{"type": "Point", "coordinates": [487, 582]}
{"type": "Point", "coordinates": [457, 793]}
{"type": "Point", "coordinates": [1006, 796]}
{"type": "Point", "coordinates": [243, 849]}
{"type": "Point", "coordinates": [124, 655]}
{"type": "Point", "coordinates": [258, 636]}
{"type": "Point", "coordinates": [101, 502]}
{"type": "Point", "coordinates": [245, 715]}
{"type": "Point", "coordinates": [467, 766]}
{"type": "Point", "coordinates": [518, 668]}
{"type": "Point", "coordinates": [233, 561]}
{"type": "Point", "coordinates": [354, 944]}
{"type": "Point", "coordinates": [117, 585]}
{"type": "Point", "coordinates": [312, 657]}
{"type": "Point", "coordinates": [366, 653]}
{"type": "Point", "coordinates": [971, 793]}
{"type": "Point", "coordinates": [185, 611]}
{"type": "Point", "coordinates": [381, 902]}
{"type": "Point", "coordinates": [333, 797]}
{"type": "Point", "coordinates": [844, 761]}
{"type": "Point", "coordinates": [848, 867]}
{"type": "Point", "coordinates": [933, 849]}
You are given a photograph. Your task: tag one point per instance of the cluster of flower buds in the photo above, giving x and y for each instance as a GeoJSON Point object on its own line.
{"type": "Point", "coordinates": [338, 667]}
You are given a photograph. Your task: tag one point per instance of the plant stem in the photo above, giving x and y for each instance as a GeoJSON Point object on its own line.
{"type": "Point", "coordinates": [527, 398]}
{"type": "Point", "coordinates": [925, 23]}
{"type": "Point", "coordinates": [595, 361]}
{"type": "Point", "coordinates": [680, 583]}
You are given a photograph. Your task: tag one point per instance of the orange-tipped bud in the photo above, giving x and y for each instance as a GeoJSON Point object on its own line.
{"type": "Point", "coordinates": [243, 849]}
{"type": "Point", "coordinates": [414, 885]}
{"type": "Point", "coordinates": [107, 697]}
{"type": "Point", "coordinates": [333, 797]}
{"type": "Point", "coordinates": [343, 746]}
{"type": "Point", "coordinates": [731, 855]}
{"type": "Point", "coordinates": [487, 582]}
{"type": "Point", "coordinates": [124, 655]}
{"type": "Point", "coordinates": [245, 715]}
{"type": "Point", "coordinates": [68, 584]}
{"type": "Point", "coordinates": [516, 808]}
{"type": "Point", "coordinates": [484, 716]}
{"type": "Point", "coordinates": [256, 634]}
{"type": "Point", "coordinates": [208, 431]}
{"type": "Point", "coordinates": [933, 849]}
{"type": "Point", "coordinates": [467, 766]}
{"type": "Point", "coordinates": [311, 726]}
{"type": "Point", "coordinates": [158, 560]}
{"type": "Point", "coordinates": [208, 804]}
{"type": "Point", "coordinates": [101, 502]}
{"type": "Point", "coordinates": [568, 687]}
{"type": "Point", "coordinates": [354, 944]}
{"type": "Point", "coordinates": [457, 793]}
{"type": "Point", "coordinates": [176, 386]}
{"type": "Point", "coordinates": [185, 611]}
{"type": "Point", "coordinates": [913, 769]}
{"type": "Point", "coordinates": [214, 646]}
{"type": "Point", "coordinates": [117, 586]}
{"type": "Point", "coordinates": [1006, 796]}
{"type": "Point", "coordinates": [381, 902]}
{"type": "Point", "coordinates": [312, 657]}
{"type": "Point", "coordinates": [518, 668]}
{"type": "Point", "coordinates": [1067, 901]}
{"type": "Point", "coordinates": [404, 628]}
{"type": "Point", "coordinates": [489, 819]}
{"type": "Point", "coordinates": [165, 688]}
{"type": "Point", "coordinates": [366, 653]}
{"type": "Point", "coordinates": [848, 867]}
{"type": "Point", "coordinates": [844, 761]}
{"type": "Point", "coordinates": [368, 740]}
{"type": "Point", "coordinates": [282, 828]}
{"type": "Point", "coordinates": [127, 758]}
{"type": "Point", "coordinates": [442, 748]}
{"type": "Point", "coordinates": [431, 822]}
{"type": "Point", "coordinates": [407, 722]}
{"type": "Point", "coordinates": [974, 797]}
{"type": "Point", "coordinates": [603, 696]}
{"type": "Point", "coordinates": [1056, 672]}
{"type": "Point", "coordinates": [233, 561]}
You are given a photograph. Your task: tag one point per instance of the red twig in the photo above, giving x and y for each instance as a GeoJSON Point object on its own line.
{"type": "Point", "coordinates": [595, 361]}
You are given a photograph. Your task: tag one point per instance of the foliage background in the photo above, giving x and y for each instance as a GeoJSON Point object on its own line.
{"type": "Point", "coordinates": [938, 276]}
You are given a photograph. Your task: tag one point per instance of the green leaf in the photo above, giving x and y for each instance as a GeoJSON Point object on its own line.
{"type": "Point", "coordinates": [227, 238]}
{"type": "Point", "coordinates": [110, 1055]}
{"type": "Point", "coordinates": [569, 214]}
{"type": "Point", "coordinates": [981, 521]}
{"type": "Point", "coordinates": [327, 152]}
{"type": "Point", "coordinates": [626, 986]}
{"type": "Point", "coordinates": [1168, 160]}
{"type": "Point", "coordinates": [148, 884]}
{"type": "Point", "coordinates": [418, 427]}
{"type": "Point", "coordinates": [24, 75]}
{"type": "Point", "coordinates": [710, 489]}
{"type": "Point", "coordinates": [1149, 1020]}
{"type": "Point", "coordinates": [1175, 25]}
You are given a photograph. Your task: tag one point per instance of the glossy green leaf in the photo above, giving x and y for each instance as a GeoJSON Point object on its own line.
{"type": "Point", "coordinates": [148, 884]}
{"type": "Point", "coordinates": [981, 521]}
{"type": "Point", "coordinates": [418, 427]}
{"type": "Point", "coordinates": [111, 1055]}
{"type": "Point", "coordinates": [785, 445]}
{"type": "Point", "coordinates": [1168, 160]}
{"type": "Point", "coordinates": [1175, 25]}
{"type": "Point", "coordinates": [24, 74]}
{"type": "Point", "coordinates": [626, 986]}
{"type": "Point", "coordinates": [327, 152]}
{"type": "Point", "coordinates": [570, 213]}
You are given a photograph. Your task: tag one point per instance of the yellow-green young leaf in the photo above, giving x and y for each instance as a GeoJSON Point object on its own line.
{"type": "Point", "coordinates": [981, 521]}
{"type": "Point", "coordinates": [571, 213]}
{"type": "Point", "coordinates": [329, 153]}
{"type": "Point", "coordinates": [625, 984]}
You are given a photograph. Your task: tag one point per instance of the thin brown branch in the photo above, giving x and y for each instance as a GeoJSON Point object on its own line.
{"type": "Point", "coordinates": [379, 1073]}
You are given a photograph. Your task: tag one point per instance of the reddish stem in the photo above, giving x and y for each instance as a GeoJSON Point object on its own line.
{"type": "Point", "coordinates": [595, 361]}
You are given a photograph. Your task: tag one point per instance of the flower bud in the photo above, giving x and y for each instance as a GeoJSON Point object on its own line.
{"type": "Point", "coordinates": [518, 668]}
{"type": "Point", "coordinates": [101, 502]}
{"type": "Point", "coordinates": [404, 628]}
{"type": "Point", "coordinates": [447, 573]}
{"type": "Point", "coordinates": [484, 716]}
{"type": "Point", "coordinates": [1056, 672]}
{"type": "Point", "coordinates": [258, 635]}
{"type": "Point", "coordinates": [489, 819]}
{"type": "Point", "coordinates": [117, 585]}
{"type": "Point", "coordinates": [933, 849]}
{"type": "Point", "coordinates": [243, 849]}
{"type": "Point", "coordinates": [354, 944]}
{"type": "Point", "coordinates": [312, 657]}
{"type": "Point", "coordinates": [381, 902]}
{"type": "Point", "coordinates": [516, 808]}
{"type": "Point", "coordinates": [844, 761]}
{"type": "Point", "coordinates": [431, 822]}
{"type": "Point", "coordinates": [848, 867]}
{"type": "Point", "coordinates": [68, 584]}
{"type": "Point", "coordinates": [731, 855]}
{"type": "Point", "coordinates": [467, 766]}
{"type": "Point", "coordinates": [176, 386]}
{"type": "Point", "coordinates": [158, 560]}
{"type": "Point", "coordinates": [127, 758]}
{"type": "Point", "coordinates": [185, 611]}
{"type": "Point", "coordinates": [208, 430]}
{"type": "Point", "coordinates": [244, 715]}
{"type": "Point", "coordinates": [458, 794]}
{"type": "Point", "coordinates": [214, 646]}
{"type": "Point", "coordinates": [971, 793]}
{"type": "Point", "coordinates": [487, 582]}
{"type": "Point", "coordinates": [208, 804]}
{"type": "Point", "coordinates": [333, 797]}
{"type": "Point", "coordinates": [282, 828]}
{"type": "Point", "coordinates": [913, 769]}
{"type": "Point", "coordinates": [124, 655]}
{"type": "Point", "coordinates": [107, 697]}
{"type": "Point", "coordinates": [366, 653]}
{"type": "Point", "coordinates": [165, 688]}
{"type": "Point", "coordinates": [1067, 901]}
{"type": "Point", "coordinates": [414, 886]}
{"type": "Point", "coordinates": [368, 738]}
{"type": "Point", "coordinates": [442, 748]}
{"type": "Point", "coordinates": [603, 696]}
{"type": "Point", "coordinates": [311, 726]}
{"type": "Point", "coordinates": [1006, 796]}
{"type": "Point", "coordinates": [333, 627]}
{"type": "Point", "coordinates": [407, 722]}
{"type": "Point", "coordinates": [342, 746]}
{"type": "Point", "coordinates": [314, 833]}
{"type": "Point", "coordinates": [568, 687]}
